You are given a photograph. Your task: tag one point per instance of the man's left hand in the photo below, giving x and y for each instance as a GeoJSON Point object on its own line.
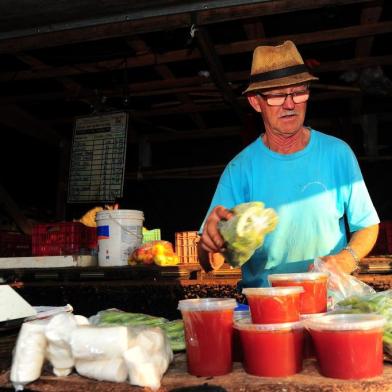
{"type": "Point", "coordinates": [340, 262]}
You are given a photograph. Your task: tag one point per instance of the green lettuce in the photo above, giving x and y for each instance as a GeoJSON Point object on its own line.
{"type": "Point", "coordinates": [245, 231]}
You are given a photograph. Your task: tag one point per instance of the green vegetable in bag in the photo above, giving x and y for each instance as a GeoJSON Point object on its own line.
{"type": "Point", "coordinates": [380, 303]}
{"type": "Point", "coordinates": [173, 329]}
{"type": "Point", "coordinates": [245, 232]}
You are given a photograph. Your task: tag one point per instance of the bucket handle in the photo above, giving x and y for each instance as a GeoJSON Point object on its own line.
{"type": "Point", "coordinates": [125, 229]}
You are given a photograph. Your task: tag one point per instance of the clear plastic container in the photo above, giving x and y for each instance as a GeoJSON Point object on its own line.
{"type": "Point", "coordinates": [348, 346]}
{"type": "Point", "coordinates": [208, 324]}
{"type": "Point", "coordinates": [271, 350]}
{"type": "Point", "coordinates": [314, 297]}
{"type": "Point", "coordinates": [269, 305]}
{"type": "Point", "coordinates": [309, 351]}
{"type": "Point", "coordinates": [240, 312]}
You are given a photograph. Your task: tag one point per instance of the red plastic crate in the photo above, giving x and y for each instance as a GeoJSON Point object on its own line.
{"type": "Point", "coordinates": [90, 240]}
{"type": "Point", "coordinates": [14, 244]}
{"type": "Point", "coordinates": [63, 238]}
{"type": "Point", "coordinates": [384, 241]}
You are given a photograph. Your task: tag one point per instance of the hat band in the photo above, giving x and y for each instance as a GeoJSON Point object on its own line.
{"type": "Point", "coordinates": [279, 73]}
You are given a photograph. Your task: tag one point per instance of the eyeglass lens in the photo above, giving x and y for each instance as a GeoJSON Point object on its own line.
{"type": "Point", "coordinates": [278, 99]}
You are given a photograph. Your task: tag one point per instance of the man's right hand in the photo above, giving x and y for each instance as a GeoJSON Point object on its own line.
{"type": "Point", "coordinates": [211, 239]}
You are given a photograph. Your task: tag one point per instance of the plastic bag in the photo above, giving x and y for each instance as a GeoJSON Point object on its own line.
{"type": "Point", "coordinates": [148, 358]}
{"type": "Point", "coordinates": [380, 303]}
{"type": "Point", "coordinates": [245, 232]}
{"type": "Point", "coordinates": [29, 354]}
{"type": "Point", "coordinates": [174, 329]}
{"type": "Point", "coordinates": [155, 252]}
{"type": "Point", "coordinates": [342, 285]}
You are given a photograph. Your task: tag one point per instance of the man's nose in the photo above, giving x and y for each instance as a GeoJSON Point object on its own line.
{"type": "Point", "coordinates": [288, 102]}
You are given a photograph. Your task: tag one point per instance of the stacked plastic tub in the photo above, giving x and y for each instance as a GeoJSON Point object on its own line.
{"type": "Point", "coordinates": [272, 339]}
{"type": "Point", "coordinates": [289, 323]}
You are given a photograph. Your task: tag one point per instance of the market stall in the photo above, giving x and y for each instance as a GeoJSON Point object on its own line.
{"type": "Point", "coordinates": [177, 377]}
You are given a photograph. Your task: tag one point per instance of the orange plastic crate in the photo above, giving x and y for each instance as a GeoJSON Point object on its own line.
{"type": "Point", "coordinates": [186, 246]}
{"type": "Point", "coordinates": [63, 238]}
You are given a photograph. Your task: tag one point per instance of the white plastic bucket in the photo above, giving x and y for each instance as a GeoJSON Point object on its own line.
{"type": "Point", "coordinates": [119, 232]}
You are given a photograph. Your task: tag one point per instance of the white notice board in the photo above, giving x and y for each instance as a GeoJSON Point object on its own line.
{"type": "Point", "coordinates": [98, 158]}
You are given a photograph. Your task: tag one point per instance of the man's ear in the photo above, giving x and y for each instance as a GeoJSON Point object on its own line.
{"type": "Point", "coordinates": [254, 102]}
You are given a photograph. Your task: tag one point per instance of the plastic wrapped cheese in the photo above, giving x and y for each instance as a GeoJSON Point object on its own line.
{"type": "Point", "coordinates": [148, 358]}
{"type": "Point", "coordinates": [96, 343]}
{"type": "Point", "coordinates": [29, 353]}
{"type": "Point", "coordinates": [58, 334]}
{"type": "Point", "coordinates": [81, 320]}
{"type": "Point", "coordinates": [113, 369]}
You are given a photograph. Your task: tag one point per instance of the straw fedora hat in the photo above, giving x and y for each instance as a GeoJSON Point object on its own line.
{"type": "Point", "coordinates": [277, 66]}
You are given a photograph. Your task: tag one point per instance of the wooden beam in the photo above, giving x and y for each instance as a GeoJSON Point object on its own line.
{"type": "Point", "coordinates": [370, 14]}
{"type": "Point", "coordinates": [167, 22]}
{"type": "Point", "coordinates": [15, 117]}
{"type": "Point", "coordinates": [343, 65]}
{"type": "Point", "coordinates": [189, 84]}
{"type": "Point", "coordinates": [217, 70]}
{"type": "Point", "coordinates": [351, 32]}
{"type": "Point", "coordinates": [200, 172]}
{"type": "Point", "coordinates": [35, 63]}
{"type": "Point", "coordinates": [164, 71]}
{"type": "Point", "coordinates": [254, 29]}
{"type": "Point", "coordinates": [177, 173]}
{"type": "Point", "coordinates": [209, 133]}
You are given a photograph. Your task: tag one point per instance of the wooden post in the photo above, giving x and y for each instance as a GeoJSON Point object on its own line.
{"type": "Point", "coordinates": [369, 123]}
{"type": "Point", "coordinates": [62, 191]}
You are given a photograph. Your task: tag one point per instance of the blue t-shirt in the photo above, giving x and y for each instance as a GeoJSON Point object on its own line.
{"type": "Point", "coordinates": [311, 191]}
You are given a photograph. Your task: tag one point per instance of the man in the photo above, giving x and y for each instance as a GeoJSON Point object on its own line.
{"type": "Point", "coordinates": [311, 179]}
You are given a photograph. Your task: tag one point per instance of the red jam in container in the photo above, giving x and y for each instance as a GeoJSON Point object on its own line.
{"type": "Point", "coordinates": [208, 324]}
{"type": "Point", "coordinates": [271, 350]}
{"type": "Point", "coordinates": [314, 298]}
{"type": "Point", "coordinates": [269, 305]}
{"type": "Point", "coordinates": [348, 346]}
{"type": "Point", "coordinates": [309, 351]}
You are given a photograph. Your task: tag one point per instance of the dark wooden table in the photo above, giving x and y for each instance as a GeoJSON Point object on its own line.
{"type": "Point", "coordinates": [173, 283]}
{"type": "Point", "coordinates": [178, 380]}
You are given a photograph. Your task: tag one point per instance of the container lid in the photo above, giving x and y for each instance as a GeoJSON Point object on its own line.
{"type": "Point", "coordinates": [203, 304]}
{"type": "Point", "coordinates": [119, 214]}
{"type": "Point", "coordinates": [311, 315]}
{"type": "Point", "coordinates": [345, 322]}
{"type": "Point", "coordinates": [241, 307]}
{"type": "Point", "coordinates": [299, 277]}
{"type": "Point", "coordinates": [273, 291]}
{"type": "Point", "coordinates": [241, 314]}
{"type": "Point", "coordinates": [246, 324]}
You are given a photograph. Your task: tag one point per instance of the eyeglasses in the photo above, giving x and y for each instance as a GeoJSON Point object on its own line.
{"type": "Point", "coordinates": [278, 99]}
